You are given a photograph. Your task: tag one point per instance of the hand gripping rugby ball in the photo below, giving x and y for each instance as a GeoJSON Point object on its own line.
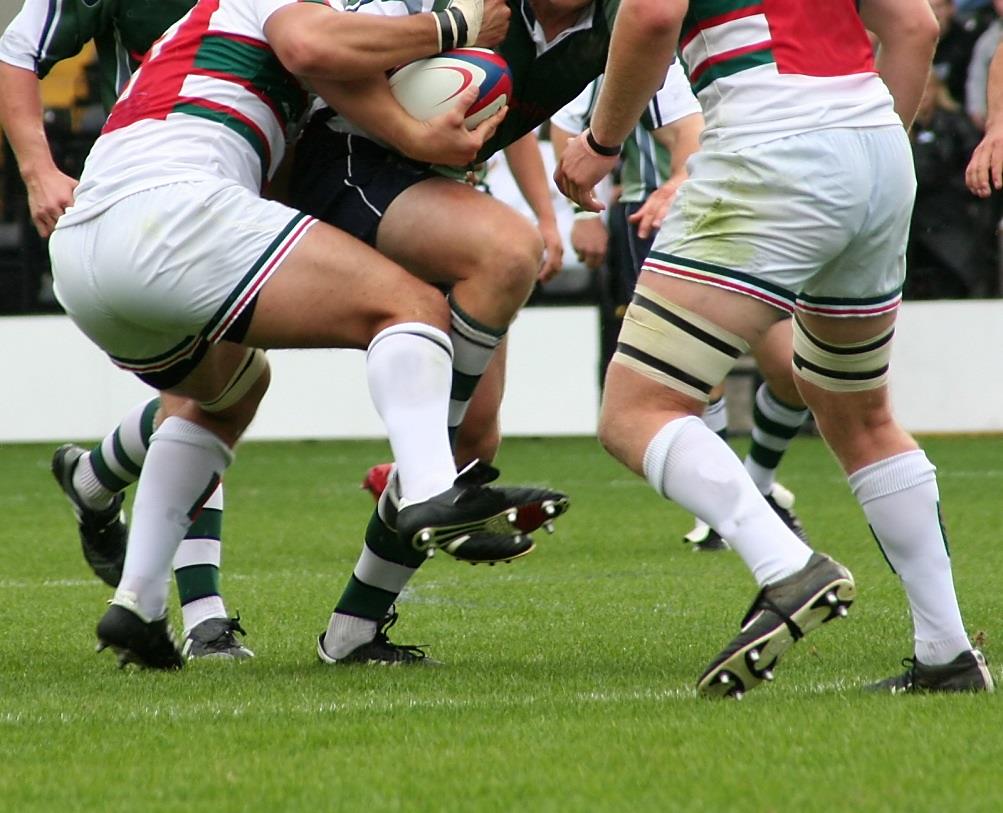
{"type": "Point", "coordinates": [428, 87]}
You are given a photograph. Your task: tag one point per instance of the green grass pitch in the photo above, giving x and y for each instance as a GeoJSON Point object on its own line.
{"type": "Point", "coordinates": [567, 682]}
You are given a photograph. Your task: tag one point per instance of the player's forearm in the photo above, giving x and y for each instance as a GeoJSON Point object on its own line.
{"type": "Point", "coordinates": [369, 104]}
{"type": "Point", "coordinates": [314, 41]}
{"type": "Point", "coordinates": [644, 40]}
{"type": "Point", "coordinates": [21, 120]}
{"type": "Point", "coordinates": [904, 69]}
{"type": "Point", "coordinates": [994, 91]}
{"type": "Point", "coordinates": [526, 164]}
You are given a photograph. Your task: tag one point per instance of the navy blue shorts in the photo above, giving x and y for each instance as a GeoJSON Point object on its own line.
{"type": "Point", "coordinates": [349, 181]}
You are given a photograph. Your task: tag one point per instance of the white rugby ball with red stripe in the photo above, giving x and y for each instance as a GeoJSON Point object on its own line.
{"type": "Point", "coordinates": [428, 87]}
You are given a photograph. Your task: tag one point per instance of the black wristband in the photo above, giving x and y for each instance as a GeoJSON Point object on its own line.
{"type": "Point", "coordinates": [461, 26]}
{"type": "Point", "coordinates": [601, 149]}
{"type": "Point", "coordinates": [453, 29]}
{"type": "Point", "coordinates": [447, 36]}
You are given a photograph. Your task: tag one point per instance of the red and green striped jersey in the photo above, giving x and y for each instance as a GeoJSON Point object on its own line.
{"type": "Point", "coordinates": [764, 69]}
{"type": "Point", "coordinates": [212, 99]}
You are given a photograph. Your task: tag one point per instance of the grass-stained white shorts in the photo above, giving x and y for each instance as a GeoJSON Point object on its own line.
{"type": "Point", "coordinates": [819, 219]}
{"type": "Point", "coordinates": [162, 274]}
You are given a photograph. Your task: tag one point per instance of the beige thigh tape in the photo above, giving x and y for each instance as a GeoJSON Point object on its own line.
{"type": "Point", "coordinates": [675, 347]}
{"type": "Point", "coordinates": [842, 367]}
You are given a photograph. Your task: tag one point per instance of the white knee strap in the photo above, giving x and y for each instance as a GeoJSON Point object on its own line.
{"type": "Point", "coordinates": [253, 366]}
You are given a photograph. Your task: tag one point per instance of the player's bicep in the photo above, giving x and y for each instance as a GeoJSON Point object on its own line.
{"type": "Point", "coordinates": [894, 18]}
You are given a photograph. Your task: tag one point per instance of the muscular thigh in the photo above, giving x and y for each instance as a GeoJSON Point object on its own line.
{"type": "Point", "coordinates": [335, 291]}
{"type": "Point", "coordinates": [444, 231]}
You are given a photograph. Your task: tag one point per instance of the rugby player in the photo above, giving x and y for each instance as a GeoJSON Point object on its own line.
{"type": "Point", "coordinates": [447, 233]}
{"type": "Point", "coordinates": [798, 200]}
{"type": "Point", "coordinates": [42, 35]}
{"type": "Point", "coordinates": [652, 165]}
{"type": "Point", "coordinates": [172, 262]}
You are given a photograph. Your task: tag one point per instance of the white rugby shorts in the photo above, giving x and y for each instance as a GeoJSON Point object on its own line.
{"type": "Point", "coordinates": [165, 272]}
{"type": "Point", "coordinates": [819, 219]}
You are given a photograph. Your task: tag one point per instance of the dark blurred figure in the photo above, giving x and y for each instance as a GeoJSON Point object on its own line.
{"type": "Point", "coordinates": [954, 48]}
{"type": "Point", "coordinates": [951, 244]}
{"type": "Point", "coordinates": [977, 78]}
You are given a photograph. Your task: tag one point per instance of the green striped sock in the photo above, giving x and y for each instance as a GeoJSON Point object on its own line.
{"type": "Point", "coordinates": [117, 460]}
{"type": "Point", "coordinates": [196, 565]}
{"type": "Point", "coordinates": [473, 346]}
{"type": "Point", "coordinates": [774, 426]}
{"type": "Point", "coordinates": [384, 567]}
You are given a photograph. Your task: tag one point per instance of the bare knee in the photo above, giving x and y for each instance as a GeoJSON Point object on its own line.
{"type": "Point", "coordinates": [514, 260]}
{"type": "Point", "coordinates": [615, 431]}
{"type": "Point", "coordinates": [505, 271]}
{"type": "Point", "coordinates": [860, 428]}
{"type": "Point", "coordinates": [774, 356]}
{"type": "Point", "coordinates": [228, 409]}
{"type": "Point", "coordinates": [417, 302]}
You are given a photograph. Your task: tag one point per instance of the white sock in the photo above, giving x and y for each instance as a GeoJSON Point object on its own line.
{"type": "Point", "coordinates": [116, 461]}
{"type": "Point", "coordinates": [761, 476]}
{"type": "Point", "coordinates": [91, 491]}
{"type": "Point", "coordinates": [900, 498]}
{"type": "Point", "coordinates": [181, 470]}
{"type": "Point", "coordinates": [687, 463]}
{"type": "Point", "coordinates": [774, 425]}
{"type": "Point", "coordinates": [202, 609]}
{"type": "Point", "coordinates": [346, 633]}
{"type": "Point", "coordinates": [196, 565]}
{"type": "Point", "coordinates": [410, 369]}
{"type": "Point", "coordinates": [375, 571]}
{"type": "Point", "coordinates": [715, 415]}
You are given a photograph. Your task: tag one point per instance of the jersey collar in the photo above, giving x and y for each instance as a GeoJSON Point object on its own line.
{"type": "Point", "coordinates": [536, 30]}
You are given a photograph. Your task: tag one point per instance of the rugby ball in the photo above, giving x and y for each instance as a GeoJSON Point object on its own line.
{"type": "Point", "coordinates": [428, 87]}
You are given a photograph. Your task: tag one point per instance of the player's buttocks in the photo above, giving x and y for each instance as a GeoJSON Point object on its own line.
{"type": "Point", "coordinates": [179, 263]}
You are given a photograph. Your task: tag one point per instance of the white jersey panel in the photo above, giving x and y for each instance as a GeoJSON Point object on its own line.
{"type": "Point", "coordinates": [119, 165]}
{"type": "Point", "coordinates": [675, 99]}
{"type": "Point", "coordinates": [238, 97]}
{"type": "Point", "coordinates": [22, 40]}
{"type": "Point", "coordinates": [725, 37]}
{"type": "Point", "coordinates": [759, 104]}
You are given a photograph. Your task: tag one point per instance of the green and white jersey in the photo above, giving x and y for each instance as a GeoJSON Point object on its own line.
{"type": "Point", "coordinates": [546, 75]}
{"type": "Point", "coordinates": [45, 32]}
{"type": "Point", "coordinates": [645, 164]}
{"type": "Point", "coordinates": [210, 102]}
